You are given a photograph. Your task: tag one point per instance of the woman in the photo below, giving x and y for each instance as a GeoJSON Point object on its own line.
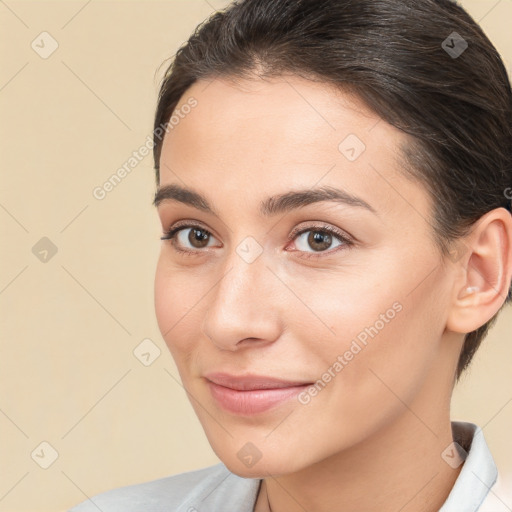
{"type": "Point", "coordinates": [333, 183]}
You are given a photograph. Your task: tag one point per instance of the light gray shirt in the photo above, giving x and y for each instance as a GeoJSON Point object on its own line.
{"type": "Point", "coordinates": [216, 489]}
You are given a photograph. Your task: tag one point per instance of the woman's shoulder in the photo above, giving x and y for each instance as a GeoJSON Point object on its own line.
{"type": "Point", "coordinates": [194, 491]}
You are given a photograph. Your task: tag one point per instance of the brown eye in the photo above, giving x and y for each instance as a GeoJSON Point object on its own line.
{"type": "Point", "coordinates": [188, 238]}
{"type": "Point", "coordinates": [198, 238]}
{"type": "Point", "coordinates": [317, 240]}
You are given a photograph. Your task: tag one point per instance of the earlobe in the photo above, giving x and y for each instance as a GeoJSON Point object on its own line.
{"type": "Point", "coordinates": [486, 272]}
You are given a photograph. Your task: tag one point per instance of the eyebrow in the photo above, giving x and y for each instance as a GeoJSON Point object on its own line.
{"type": "Point", "coordinates": [271, 206]}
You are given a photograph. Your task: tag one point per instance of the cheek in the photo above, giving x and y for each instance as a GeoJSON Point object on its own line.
{"type": "Point", "coordinates": [175, 305]}
{"type": "Point", "coordinates": [164, 298]}
{"type": "Point", "coordinates": [343, 313]}
{"type": "Point", "coordinates": [385, 337]}
{"type": "Point", "coordinates": [362, 386]}
{"type": "Point", "coordinates": [386, 355]}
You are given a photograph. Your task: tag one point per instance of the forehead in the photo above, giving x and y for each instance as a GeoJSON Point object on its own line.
{"type": "Point", "coordinates": [280, 114]}
{"type": "Point", "coordinates": [268, 136]}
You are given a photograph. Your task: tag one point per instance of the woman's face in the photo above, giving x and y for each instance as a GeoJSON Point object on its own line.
{"type": "Point", "coordinates": [351, 322]}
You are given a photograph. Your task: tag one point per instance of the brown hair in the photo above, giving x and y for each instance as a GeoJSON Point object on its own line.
{"type": "Point", "coordinates": [424, 66]}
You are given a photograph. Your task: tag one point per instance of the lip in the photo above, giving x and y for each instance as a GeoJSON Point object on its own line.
{"type": "Point", "coordinates": [251, 394]}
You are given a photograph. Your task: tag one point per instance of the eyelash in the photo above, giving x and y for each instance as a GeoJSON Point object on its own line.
{"type": "Point", "coordinates": [347, 242]}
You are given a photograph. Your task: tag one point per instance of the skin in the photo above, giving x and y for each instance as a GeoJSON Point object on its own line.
{"type": "Point", "coordinates": [372, 438]}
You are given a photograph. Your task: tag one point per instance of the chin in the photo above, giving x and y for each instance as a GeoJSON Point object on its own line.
{"type": "Point", "coordinates": [259, 459]}
{"type": "Point", "coordinates": [261, 469]}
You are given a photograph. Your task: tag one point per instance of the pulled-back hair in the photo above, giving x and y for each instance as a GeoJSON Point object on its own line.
{"type": "Point", "coordinates": [407, 60]}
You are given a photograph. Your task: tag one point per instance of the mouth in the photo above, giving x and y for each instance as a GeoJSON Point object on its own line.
{"type": "Point", "coordinates": [251, 394]}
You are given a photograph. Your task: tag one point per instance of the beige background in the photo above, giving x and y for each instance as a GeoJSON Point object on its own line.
{"type": "Point", "coordinates": [69, 376]}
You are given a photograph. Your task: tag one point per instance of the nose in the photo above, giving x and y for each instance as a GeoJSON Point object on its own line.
{"type": "Point", "coordinates": [244, 306]}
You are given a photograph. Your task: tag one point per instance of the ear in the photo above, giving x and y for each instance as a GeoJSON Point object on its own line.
{"type": "Point", "coordinates": [485, 269]}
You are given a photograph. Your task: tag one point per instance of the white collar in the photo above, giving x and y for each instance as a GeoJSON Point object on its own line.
{"type": "Point", "coordinates": [478, 473]}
